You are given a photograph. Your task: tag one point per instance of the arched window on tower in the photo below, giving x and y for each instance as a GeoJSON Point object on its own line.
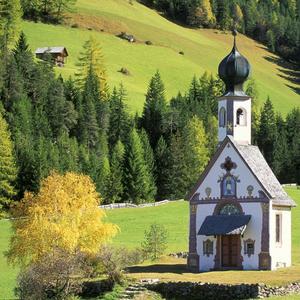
{"type": "Point", "coordinates": [241, 117]}
{"type": "Point", "coordinates": [222, 117]}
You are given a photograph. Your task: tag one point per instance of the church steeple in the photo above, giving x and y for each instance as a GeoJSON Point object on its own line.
{"type": "Point", "coordinates": [235, 105]}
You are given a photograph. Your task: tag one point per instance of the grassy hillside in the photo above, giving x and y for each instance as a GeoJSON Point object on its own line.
{"type": "Point", "coordinates": [174, 216]}
{"type": "Point", "coordinates": [203, 50]}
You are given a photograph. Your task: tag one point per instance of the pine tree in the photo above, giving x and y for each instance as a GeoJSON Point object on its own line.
{"type": "Point", "coordinates": [201, 15]}
{"type": "Point", "coordinates": [281, 156]}
{"type": "Point", "coordinates": [154, 109]}
{"type": "Point", "coordinates": [10, 18]}
{"type": "Point", "coordinates": [115, 188]}
{"type": "Point", "coordinates": [162, 168]}
{"type": "Point", "coordinates": [92, 57]}
{"type": "Point", "coordinates": [118, 118]}
{"type": "Point", "coordinates": [266, 135]}
{"type": "Point", "coordinates": [136, 175]}
{"type": "Point", "coordinates": [178, 170]}
{"type": "Point", "coordinates": [61, 113]}
{"type": "Point", "coordinates": [196, 154]}
{"type": "Point", "coordinates": [150, 164]}
{"type": "Point", "coordinates": [223, 15]}
{"type": "Point", "coordinates": [8, 171]}
{"type": "Point", "coordinates": [252, 91]}
{"type": "Point", "coordinates": [24, 60]}
{"type": "Point", "coordinates": [89, 128]}
{"type": "Point", "coordinates": [295, 154]}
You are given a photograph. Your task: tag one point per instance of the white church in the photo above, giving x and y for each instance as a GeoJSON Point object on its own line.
{"type": "Point", "coordinates": [240, 216]}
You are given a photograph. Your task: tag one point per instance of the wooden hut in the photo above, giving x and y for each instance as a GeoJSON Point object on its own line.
{"type": "Point", "coordinates": [58, 54]}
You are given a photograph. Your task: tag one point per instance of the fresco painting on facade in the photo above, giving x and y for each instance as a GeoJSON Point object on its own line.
{"type": "Point", "coordinates": [240, 216]}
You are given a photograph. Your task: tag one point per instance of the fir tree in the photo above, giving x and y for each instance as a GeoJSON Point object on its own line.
{"type": "Point", "coordinates": [136, 175]}
{"type": "Point", "coordinates": [24, 60]}
{"type": "Point", "coordinates": [89, 131]}
{"type": "Point", "coordinates": [61, 113]}
{"type": "Point", "coordinates": [162, 168]}
{"type": "Point", "coordinates": [196, 154]}
{"type": "Point", "coordinates": [281, 156]}
{"type": "Point", "coordinates": [150, 164]}
{"type": "Point", "coordinates": [154, 109]}
{"type": "Point", "coordinates": [115, 188]}
{"type": "Point", "coordinates": [10, 18]}
{"type": "Point", "coordinates": [8, 171]}
{"type": "Point", "coordinates": [178, 170]}
{"type": "Point", "coordinates": [267, 131]}
{"type": "Point", "coordinates": [92, 57]}
{"type": "Point", "coordinates": [118, 118]}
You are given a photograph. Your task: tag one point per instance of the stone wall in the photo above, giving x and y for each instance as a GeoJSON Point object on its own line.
{"type": "Point", "coordinates": [210, 291]}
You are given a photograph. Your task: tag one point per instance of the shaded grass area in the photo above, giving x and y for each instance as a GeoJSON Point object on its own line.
{"type": "Point", "coordinates": [203, 50]}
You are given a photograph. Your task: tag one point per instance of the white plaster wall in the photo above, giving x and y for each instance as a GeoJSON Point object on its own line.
{"type": "Point", "coordinates": [241, 133]}
{"type": "Point", "coordinates": [245, 176]}
{"type": "Point", "coordinates": [253, 231]}
{"type": "Point", "coordinates": [206, 263]}
{"type": "Point", "coordinates": [280, 253]}
{"type": "Point", "coordinates": [222, 130]}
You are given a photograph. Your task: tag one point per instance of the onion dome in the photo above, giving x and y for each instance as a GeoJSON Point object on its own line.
{"type": "Point", "coordinates": [234, 70]}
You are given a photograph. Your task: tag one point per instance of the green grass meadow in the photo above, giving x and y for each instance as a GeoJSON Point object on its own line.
{"type": "Point", "coordinates": [174, 216]}
{"type": "Point", "coordinates": [203, 50]}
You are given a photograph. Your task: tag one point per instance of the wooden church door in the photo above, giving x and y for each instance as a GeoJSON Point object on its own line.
{"type": "Point", "coordinates": [230, 247]}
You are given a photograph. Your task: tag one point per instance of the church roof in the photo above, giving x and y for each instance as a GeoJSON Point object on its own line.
{"type": "Point", "coordinates": [257, 164]}
{"type": "Point", "coordinates": [224, 224]}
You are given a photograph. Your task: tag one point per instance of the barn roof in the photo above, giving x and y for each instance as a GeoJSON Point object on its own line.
{"type": "Point", "coordinates": [58, 49]}
{"type": "Point", "coordinates": [257, 164]}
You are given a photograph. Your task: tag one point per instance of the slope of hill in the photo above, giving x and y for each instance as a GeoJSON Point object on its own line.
{"type": "Point", "coordinates": [203, 50]}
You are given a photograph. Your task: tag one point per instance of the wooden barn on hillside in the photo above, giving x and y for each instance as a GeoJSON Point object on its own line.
{"type": "Point", "coordinates": [59, 54]}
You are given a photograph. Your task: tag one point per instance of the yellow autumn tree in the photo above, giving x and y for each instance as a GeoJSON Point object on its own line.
{"type": "Point", "coordinates": [64, 214]}
{"type": "Point", "coordinates": [91, 59]}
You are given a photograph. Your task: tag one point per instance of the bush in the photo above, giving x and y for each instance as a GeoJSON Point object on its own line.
{"type": "Point", "coordinates": [155, 242]}
{"type": "Point", "coordinates": [57, 275]}
{"type": "Point", "coordinates": [112, 261]}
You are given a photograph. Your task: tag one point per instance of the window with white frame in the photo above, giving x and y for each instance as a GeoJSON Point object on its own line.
{"type": "Point", "coordinates": [208, 247]}
{"type": "Point", "coordinates": [249, 247]}
{"type": "Point", "coordinates": [278, 228]}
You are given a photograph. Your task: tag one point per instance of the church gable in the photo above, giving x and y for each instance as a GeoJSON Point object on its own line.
{"type": "Point", "coordinates": [228, 176]}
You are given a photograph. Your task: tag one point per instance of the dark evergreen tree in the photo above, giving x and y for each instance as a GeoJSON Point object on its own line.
{"type": "Point", "coordinates": [115, 187]}
{"type": "Point", "coordinates": [162, 169]}
{"type": "Point", "coordinates": [178, 171]}
{"type": "Point", "coordinates": [281, 156]}
{"type": "Point", "coordinates": [118, 118]}
{"type": "Point", "coordinates": [267, 132]}
{"type": "Point", "coordinates": [154, 109]}
{"type": "Point", "coordinates": [150, 164]}
{"type": "Point", "coordinates": [89, 131]}
{"type": "Point", "coordinates": [136, 181]}
{"type": "Point", "coordinates": [8, 170]}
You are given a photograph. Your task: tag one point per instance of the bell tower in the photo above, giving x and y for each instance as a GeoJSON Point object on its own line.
{"type": "Point", "coordinates": [234, 107]}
